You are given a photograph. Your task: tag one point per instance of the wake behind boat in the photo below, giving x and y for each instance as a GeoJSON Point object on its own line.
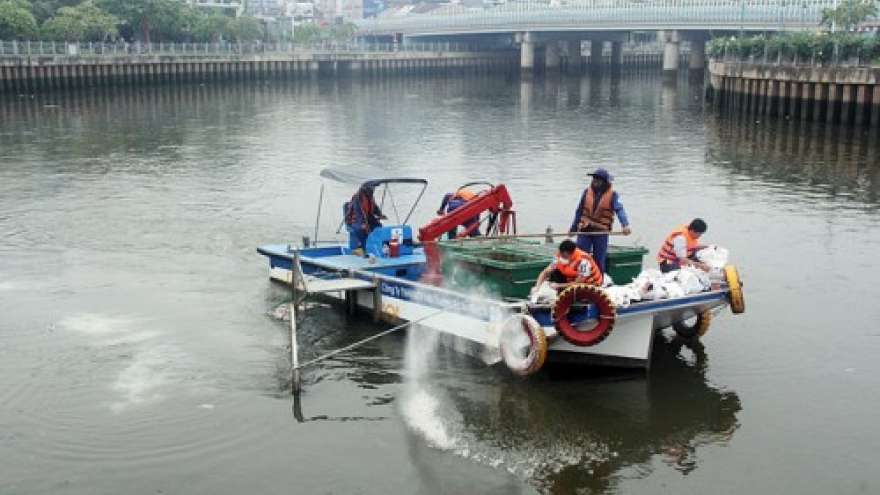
{"type": "Point", "coordinates": [474, 291]}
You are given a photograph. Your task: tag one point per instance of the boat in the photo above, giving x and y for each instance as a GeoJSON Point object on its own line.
{"type": "Point", "coordinates": [473, 292]}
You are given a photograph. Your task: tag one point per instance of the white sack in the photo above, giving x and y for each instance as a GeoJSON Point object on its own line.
{"type": "Point", "coordinates": [544, 295]}
{"type": "Point", "coordinates": [714, 256]}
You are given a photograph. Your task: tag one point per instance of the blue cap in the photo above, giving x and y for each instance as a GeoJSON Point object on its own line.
{"type": "Point", "coordinates": [602, 174]}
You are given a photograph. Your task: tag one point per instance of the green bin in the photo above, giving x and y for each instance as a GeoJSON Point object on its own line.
{"type": "Point", "coordinates": [497, 271]}
{"type": "Point", "coordinates": [510, 268]}
{"type": "Point", "coordinates": [624, 263]}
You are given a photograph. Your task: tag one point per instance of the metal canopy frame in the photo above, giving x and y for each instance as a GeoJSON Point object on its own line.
{"type": "Point", "coordinates": [373, 178]}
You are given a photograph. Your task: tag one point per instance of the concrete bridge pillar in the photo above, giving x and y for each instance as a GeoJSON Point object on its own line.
{"type": "Point", "coordinates": [552, 56]}
{"type": "Point", "coordinates": [596, 54]}
{"type": "Point", "coordinates": [698, 55]}
{"type": "Point", "coordinates": [670, 52]}
{"type": "Point", "coordinates": [527, 51]}
{"type": "Point", "coordinates": [573, 56]}
{"type": "Point", "coordinates": [616, 55]}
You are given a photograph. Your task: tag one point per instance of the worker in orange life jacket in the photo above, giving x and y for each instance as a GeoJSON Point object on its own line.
{"type": "Point", "coordinates": [681, 246]}
{"type": "Point", "coordinates": [453, 201]}
{"type": "Point", "coordinates": [362, 216]}
{"type": "Point", "coordinates": [571, 266]}
{"type": "Point", "coordinates": [595, 214]}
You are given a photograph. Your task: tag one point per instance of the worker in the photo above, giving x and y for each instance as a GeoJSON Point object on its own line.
{"type": "Point", "coordinates": [453, 201]}
{"type": "Point", "coordinates": [680, 247]}
{"type": "Point", "coordinates": [363, 216]}
{"type": "Point", "coordinates": [571, 266]}
{"type": "Point", "coordinates": [595, 214]}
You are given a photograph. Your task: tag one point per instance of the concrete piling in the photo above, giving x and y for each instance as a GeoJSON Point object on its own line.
{"type": "Point", "coordinates": [847, 97]}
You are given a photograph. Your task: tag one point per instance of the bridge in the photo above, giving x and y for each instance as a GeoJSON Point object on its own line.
{"type": "Point", "coordinates": [557, 28]}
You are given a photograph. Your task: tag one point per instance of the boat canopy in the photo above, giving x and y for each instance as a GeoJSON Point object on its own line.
{"type": "Point", "coordinates": [366, 176]}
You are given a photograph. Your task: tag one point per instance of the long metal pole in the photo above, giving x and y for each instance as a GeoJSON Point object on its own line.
{"type": "Point", "coordinates": [526, 236]}
{"type": "Point", "coordinates": [295, 379]}
{"type": "Point", "coordinates": [318, 217]}
{"type": "Point", "coordinates": [371, 338]}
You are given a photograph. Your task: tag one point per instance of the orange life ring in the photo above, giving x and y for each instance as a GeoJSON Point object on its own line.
{"type": "Point", "coordinates": [512, 341]}
{"type": "Point", "coordinates": [584, 293]}
{"type": "Point", "coordinates": [735, 295]}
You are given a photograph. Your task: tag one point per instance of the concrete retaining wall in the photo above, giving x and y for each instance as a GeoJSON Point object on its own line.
{"type": "Point", "coordinates": [29, 74]}
{"type": "Point", "coordinates": [847, 95]}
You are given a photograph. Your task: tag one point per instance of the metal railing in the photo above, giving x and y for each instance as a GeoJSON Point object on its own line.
{"type": "Point", "coordinates": [48, 48]}
{"type": "Point", "coordinates": [778, 15]}
{"type": "Point", "coordinates": [828, 58]}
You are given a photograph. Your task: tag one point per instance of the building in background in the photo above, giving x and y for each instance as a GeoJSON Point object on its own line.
{"type": "Point", "coordinates": [330, 11]}
{"type": "Point", "coordinates": [233, 8]}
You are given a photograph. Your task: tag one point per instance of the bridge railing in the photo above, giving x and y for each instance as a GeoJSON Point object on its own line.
{"type": "Point", "coordinates": [622, 14]}
{"type": "Point", "coordinates": [48, 48]}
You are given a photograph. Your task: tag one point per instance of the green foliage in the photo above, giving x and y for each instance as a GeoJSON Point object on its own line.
{"type": "Point", "coordinates": [16, 20]}
{"type": "Point", "coordinates": [45, 9]}
{"type": "Point", "coordinates": [245, 28]}
{"type": "Point", "coordinates": [162, 20]}
{"type": "Point", "coordinates": [211, 28]}
{"type": "Point", "coordinates": [848, 13]}
{"type": "Point", "coordinates": [818, 47]}
{"type": "Point", "coordinates": [344, 32]}
{"type": "Point", "coordinates": [307, 33]}
{"type": "Point", "coordinates": [85, 22]}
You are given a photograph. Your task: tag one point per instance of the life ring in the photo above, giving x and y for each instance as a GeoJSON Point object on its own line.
{"type": "Point", "coordinates": [593, 295]}
{"type": "Point", "coordinates": [697, 329]}
{"type": "Point", "coordinates": [735, 295]}
{"type": "Point", "coordinates": [390, 313]}
{"type": "Point", "coordinates": [512, 341]}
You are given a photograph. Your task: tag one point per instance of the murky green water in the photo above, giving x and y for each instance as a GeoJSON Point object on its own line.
{"type": "Point", "coordinates": [139, 354]}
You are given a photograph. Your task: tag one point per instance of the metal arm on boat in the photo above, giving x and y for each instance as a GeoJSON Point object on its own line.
{"type": "Point", "coordinates": [496, 201]}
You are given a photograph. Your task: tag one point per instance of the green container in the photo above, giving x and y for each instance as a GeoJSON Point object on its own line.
{"type": "Point", "coordinates": [510, 268]}
{"type": "Point", "coordinates": [624, 263]}
{"type": "Point", "coordinates": [496, 271]}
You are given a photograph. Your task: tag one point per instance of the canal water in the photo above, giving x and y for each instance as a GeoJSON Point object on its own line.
{"type": "Point", "coordinates": [139, 352]}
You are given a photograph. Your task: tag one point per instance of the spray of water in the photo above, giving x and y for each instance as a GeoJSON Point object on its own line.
{"type": "Point", "coordinates": [532, 454]}
{"type": "Point", "coordinates": [419, 404]}
{"type": "Point", "coordinates": [145, 370]}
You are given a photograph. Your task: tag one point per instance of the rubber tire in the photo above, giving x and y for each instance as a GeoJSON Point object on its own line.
{"type": "Point", "coordinates": [534, 361]}
{"type": "Point", "coordinates": [697, 330]}
{"type": "Point", "coordinates": [593, 295]}
{"type": "Point", "coordinates": [735, 296]}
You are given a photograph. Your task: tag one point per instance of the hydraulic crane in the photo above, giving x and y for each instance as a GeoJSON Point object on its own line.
{"type": "Point", "coordinates": [502, 219]}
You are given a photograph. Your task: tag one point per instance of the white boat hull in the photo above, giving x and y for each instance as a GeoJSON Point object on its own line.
{"type": "Point", "coordinates": [475, 330]}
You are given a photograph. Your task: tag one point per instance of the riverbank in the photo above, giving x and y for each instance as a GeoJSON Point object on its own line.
{"type": "Point", "coordinates": [36, 73]}
{"type": "Point", "coordinates": [27, 67]}
{"type": "Point", "coordinates": [838, 94]}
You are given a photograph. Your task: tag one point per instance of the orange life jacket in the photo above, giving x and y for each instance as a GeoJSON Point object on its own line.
{"type": "Point", "coordinates": [667, 252]}
{"type": "Point", "coordinates": [366, 206]}
{"type": "Point", "coordinates": [570, 269]}
{"type": "Point", "coordinates": [463, 194]}
{"type": "Point", "coordinates": [603, 216]}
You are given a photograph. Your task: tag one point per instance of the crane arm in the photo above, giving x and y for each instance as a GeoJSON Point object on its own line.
{"type": "Point", "coordinates": [496, 201]}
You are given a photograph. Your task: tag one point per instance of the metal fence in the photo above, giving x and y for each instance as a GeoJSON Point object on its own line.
{"type": "Point", "coordinates": [48, 48]}
{"type": "Point", "coordinates": [831, 57]}
{"type": "Point", "coordinates": [781, 15]}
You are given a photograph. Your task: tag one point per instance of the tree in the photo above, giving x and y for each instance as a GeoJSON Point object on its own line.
{"type": "Point", "coordinates": [245, 28]}
{"type": "Point", "coordinates": [158, 20]}
{"type": "Point", "coordinates": [344, 32]}
{"type": "Point", "coordinates": [307, 33]}
{"type": "Point", "coordinates": [16, 21]}
{"type": "Point", "coordinates": [46, 9]}
{"type": "Point", "coordinates": [85, 22]}
{"type": "Point", "coordinates": [848, 13]}
{"type": "Point", "coordinates": [212, 27]}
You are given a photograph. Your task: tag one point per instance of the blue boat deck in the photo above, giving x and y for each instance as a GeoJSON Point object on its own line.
{"type": "Point", "coordinates": [335, 258]}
